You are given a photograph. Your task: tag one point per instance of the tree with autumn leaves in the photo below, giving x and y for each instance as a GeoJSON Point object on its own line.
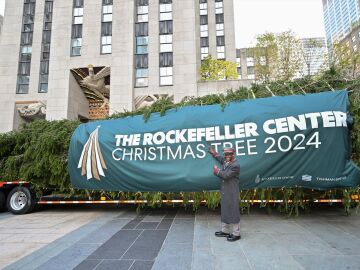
{"type": "Point", "coordinates": [277, 56]}
{"type": "Point", "coordinates": [216, 69]}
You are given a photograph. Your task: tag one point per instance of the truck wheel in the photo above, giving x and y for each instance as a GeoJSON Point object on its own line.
{"type": "Point", "coordinates": [2, 201]}
{"type": "Point", "coordinates": [20, 201]}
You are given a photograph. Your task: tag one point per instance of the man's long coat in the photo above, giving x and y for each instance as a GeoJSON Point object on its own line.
{"type": "Point", "coordinates": [229, 187]}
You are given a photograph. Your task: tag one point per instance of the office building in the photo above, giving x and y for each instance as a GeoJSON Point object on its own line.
{"type": "Point", "coordinates": [340, 16]}
{"type": "Point", "coordinates": [314, 54]}
{"type": "Point", "coordinates": [85, 59]}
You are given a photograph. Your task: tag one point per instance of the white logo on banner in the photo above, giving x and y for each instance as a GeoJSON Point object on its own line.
{"type": "Point", "coordinates": [306, 178]}
{"type": "Point", "coordinates": [91, 161]}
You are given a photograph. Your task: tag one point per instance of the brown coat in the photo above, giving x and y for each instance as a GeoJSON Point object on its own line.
{"type": "Point", "coordinates": [229, 188]}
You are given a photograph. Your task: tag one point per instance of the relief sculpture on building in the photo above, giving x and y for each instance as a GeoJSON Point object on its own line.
{"type": "Point", "coordinates": [148, 100]}
{"type": "Point", "coordinates": [35, 109]}
{"type": "Point", "coordinates": [95, 85]}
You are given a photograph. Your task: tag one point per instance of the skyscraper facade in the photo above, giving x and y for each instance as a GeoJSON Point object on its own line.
{"type": "Point", "coordinates": [314, 56]}
{"type": "Point", "coordinates": [339, 17]}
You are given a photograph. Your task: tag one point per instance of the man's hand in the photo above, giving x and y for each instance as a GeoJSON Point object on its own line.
{"type": "Point", "coordinates": [212, 151]}
{"type": "Point", "coordinates": [216, 170]}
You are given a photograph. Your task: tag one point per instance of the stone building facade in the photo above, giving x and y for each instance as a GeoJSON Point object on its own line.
{"type": "Point", "coordinates": [60, 58]}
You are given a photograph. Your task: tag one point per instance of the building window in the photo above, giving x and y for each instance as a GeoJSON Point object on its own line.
{"type": "Point", "coordinates": [220, 52]}
{"type": "Point", "coordinates": [141, 61]}
{"type": "Point", "coordinates": [204, 19]}
{"type": "Point", "coordinates": [106, 44]}
{"type": "Point", "coordinates": [204, 52]}
{"type": "Point", "coordinates": [204, 42]}
{"type": "Point", "coordinates": [107, 13]}
{"type": "Point", "coordinates": [250, 61]}
{"type": "Point", "coordinates": [219, 29]}
{"type": "Point", "coordinates": [220, 41]}
{"type": "Point", "coordinates": [143, 13]}
{"type": "Point", "coordinates": [204, 30]}
{"type": "Point", "coordinates": [45, 47]}
{"type": "Point", "coordinates": [76, 40]}
{"type": "Point", "coordinates": [166, 43]}
{"type": "Point", "coordinates": [219, 7]}
{"type": "Point", "coordinates": [142, 41]}
{"type": "Point", "coordinates": [142, 75]}
{"type": "Point", "coordinates": [106, 37]}
{"type": "Point", "coordinates": [26, 47]}
{"type": "Point", "coordinates": [166, 27]}
{"type": "Point", "coordinates": [142, 29]}
{"type": "Point", "coordinates": [203, 9]}
{"type": "Point", "coordinates": [142, 45]}
{"type": "Point", "coordinates": [165, 11]}
{"type": "Point", "coordinates": [76, 33]}
{"type": "Point", "coordinates": [166, 59]}
{"type": "Point", "coordinates": [219, 18]}
{"type": "Point", "coordinates": [26, 38]}
{"type": "Point", "coordinates": [238, 61]}
{"type": "Point", "coordinates": [78, 15]}
{"type": "Point", "coordinates": [166, 75]}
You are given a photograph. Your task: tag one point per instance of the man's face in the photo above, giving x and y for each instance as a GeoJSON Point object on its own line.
{"type": "Point", "coordinates": [229, 156]}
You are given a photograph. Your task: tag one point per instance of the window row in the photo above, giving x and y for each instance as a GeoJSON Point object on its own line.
{"type": "Point", "coordinates": [45, 48]}
{"type": "Point", "coordinates": [165, 60]}
{"type": "Point", "coordinates": [141, 39]}
{"type": "Point", "coordinates": [25, 51]}
{"type": "Point", "coordinates": [142, 76]}
{"type": "Point", "coordinates": [76, 31]}
{"type": "Point", "coordinates": [166, 43]}
{"type": "Point", "coordinates": [106, 27]}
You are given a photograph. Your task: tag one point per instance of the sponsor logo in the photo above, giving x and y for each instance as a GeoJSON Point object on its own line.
{"type": "Point", "coordinates": [91, 161]}
{"type": "Point", "coordinates": [259, 179]}
{"type": "Point", "coordinates": [306, 178]}
{"type": "Point", "coordinates": [331, 179]}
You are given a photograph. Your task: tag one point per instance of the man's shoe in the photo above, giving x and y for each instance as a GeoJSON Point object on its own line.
{"type": "Point", "coordinates": [222, 234]}
{"type": "Point", "coordinates": [232, 238]}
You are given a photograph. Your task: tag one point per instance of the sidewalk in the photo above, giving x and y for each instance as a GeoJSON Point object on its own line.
{"type": "Point", "coordinates": [172, 238]}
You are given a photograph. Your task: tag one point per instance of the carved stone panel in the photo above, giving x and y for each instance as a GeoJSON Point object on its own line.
{"type": "Point", "coordinates": [148, 100]}
{"type": "Point", "coordinates": [31, 109]}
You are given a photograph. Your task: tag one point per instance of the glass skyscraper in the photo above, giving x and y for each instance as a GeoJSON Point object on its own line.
{"type": "Point", "coordinates": [339, 16]}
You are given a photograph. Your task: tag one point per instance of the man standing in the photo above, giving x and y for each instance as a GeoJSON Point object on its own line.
{"type": "Point", "coordinates": [229, 188]}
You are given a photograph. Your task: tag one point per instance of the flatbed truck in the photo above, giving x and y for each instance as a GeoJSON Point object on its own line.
{"type": "Point", "coordinates": [18, 198]}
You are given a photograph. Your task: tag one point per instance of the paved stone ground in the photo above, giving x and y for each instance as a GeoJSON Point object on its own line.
{"type": "Point", "coordinates": [171, 238]}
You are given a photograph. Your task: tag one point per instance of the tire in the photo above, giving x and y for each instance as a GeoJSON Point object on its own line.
{"type": "Point", "coordinates": [2, 201]}
{"type": "Point", "coordinates": [21, 200]}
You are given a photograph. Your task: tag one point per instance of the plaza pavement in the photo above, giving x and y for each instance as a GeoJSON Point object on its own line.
{"type": "Point", "coordinates": [74, 237]}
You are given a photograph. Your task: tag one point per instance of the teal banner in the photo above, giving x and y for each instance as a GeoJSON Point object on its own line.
{"type": "Point", "coordinates": [301, 140]}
